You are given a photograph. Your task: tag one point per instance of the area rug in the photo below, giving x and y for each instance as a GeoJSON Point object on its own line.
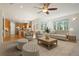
{"type": "Point", "coordinates": [64, 48]}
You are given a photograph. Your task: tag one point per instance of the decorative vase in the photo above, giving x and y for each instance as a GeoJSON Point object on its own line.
{"type": "Point", "coordinates": [46, 36]}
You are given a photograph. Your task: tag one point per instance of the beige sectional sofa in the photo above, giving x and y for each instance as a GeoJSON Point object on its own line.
{"type": "Point", "coordinates": [62, 35]}
{"type": "Point", "coordinates": [59, 35]}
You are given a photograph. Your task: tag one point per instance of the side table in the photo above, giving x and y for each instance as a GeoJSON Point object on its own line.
{"type": "Point", "coordinates": [71, 38]}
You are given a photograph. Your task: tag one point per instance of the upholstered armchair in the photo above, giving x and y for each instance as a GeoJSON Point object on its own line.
{"type": "Point", "coordinates": [29, 35]}
{"type": "Point", "coordinates": [39, 34]}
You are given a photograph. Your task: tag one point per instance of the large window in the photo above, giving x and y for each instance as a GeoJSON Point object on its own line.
{"type": "Point", "coordinates": [61, 25]}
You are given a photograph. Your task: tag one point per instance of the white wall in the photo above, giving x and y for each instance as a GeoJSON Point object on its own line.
{"type": "Point", "coordinates": [74, 25]}
{"type": "Point", "coordinates": [1, 29]}
{"type": "Point", "coordinates": [12, 27]}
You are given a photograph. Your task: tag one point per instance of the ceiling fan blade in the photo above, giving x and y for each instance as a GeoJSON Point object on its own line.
{"type": "Point", "coordinates": [52, 8]}
{"type": "Point", "coordinates": [38, 7]}
{"type": "Point", "coordinates": [39, 11]}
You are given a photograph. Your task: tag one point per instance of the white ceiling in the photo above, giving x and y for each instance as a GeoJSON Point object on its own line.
{"type": "Point", "coordinates": [29, 11]}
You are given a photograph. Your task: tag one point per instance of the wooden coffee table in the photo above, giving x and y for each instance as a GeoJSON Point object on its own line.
{"type": "Point", "coordinates": [48, 42]}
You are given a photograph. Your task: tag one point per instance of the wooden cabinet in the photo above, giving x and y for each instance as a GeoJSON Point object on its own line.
{"type": "Point", "coordinates": [6, 35]}
{"type": "Point", "coordinates": [71, 38]}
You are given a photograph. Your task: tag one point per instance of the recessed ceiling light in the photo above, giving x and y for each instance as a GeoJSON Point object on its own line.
{"type": "Point", "coordinates": [74, 18]}
{"type": "Point", "coordinates": [21, 6]}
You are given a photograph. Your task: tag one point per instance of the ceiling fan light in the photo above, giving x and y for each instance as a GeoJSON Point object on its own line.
{"type": "Point", "coordinates": [45, 10]}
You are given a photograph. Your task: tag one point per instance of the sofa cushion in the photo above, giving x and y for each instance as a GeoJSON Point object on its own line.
{"type": "Point", "coordinates": [58, 36]}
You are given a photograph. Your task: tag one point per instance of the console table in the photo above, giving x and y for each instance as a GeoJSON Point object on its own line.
{"type": "Point", "coordinates": [71, 38]}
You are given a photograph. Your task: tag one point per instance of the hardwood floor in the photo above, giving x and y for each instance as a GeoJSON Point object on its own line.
{"type": "Point", "coordinates": [12, 38]}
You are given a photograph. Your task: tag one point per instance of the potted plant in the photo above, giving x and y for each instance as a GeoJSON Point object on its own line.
{"type": "Point", "coordinates": [47, 30]}
{"type": "Point", "coordinates": [46, 33]}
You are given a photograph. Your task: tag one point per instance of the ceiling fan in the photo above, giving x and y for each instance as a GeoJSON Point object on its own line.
{"type": "Point", "coordinates": [45, 8]}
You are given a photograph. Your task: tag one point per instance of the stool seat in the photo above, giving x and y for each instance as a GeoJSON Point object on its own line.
{"type": "Point", "coordinates": [20, 43]}
{"type": "Point", "coordinates": [30, 49]}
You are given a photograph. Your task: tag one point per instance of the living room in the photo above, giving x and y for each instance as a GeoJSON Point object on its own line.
{"type": "Point", "coordinates": [30, 23]}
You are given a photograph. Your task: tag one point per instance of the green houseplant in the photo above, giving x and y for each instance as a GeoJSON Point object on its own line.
{"type": "Point", "coordinates": [46, 33]}
{"type": "Point", "coordinates": [47, 30]}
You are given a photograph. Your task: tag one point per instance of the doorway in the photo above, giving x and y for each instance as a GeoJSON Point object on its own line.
{"type": "Point", "coordinates": [6, 29]}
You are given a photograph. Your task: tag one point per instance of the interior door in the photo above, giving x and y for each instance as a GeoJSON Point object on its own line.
{"type": "Point", "coordinates": [6, 29]}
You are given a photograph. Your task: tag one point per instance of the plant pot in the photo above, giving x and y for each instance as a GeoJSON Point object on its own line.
{"type": "Point", "coordinates": [46, 36]}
